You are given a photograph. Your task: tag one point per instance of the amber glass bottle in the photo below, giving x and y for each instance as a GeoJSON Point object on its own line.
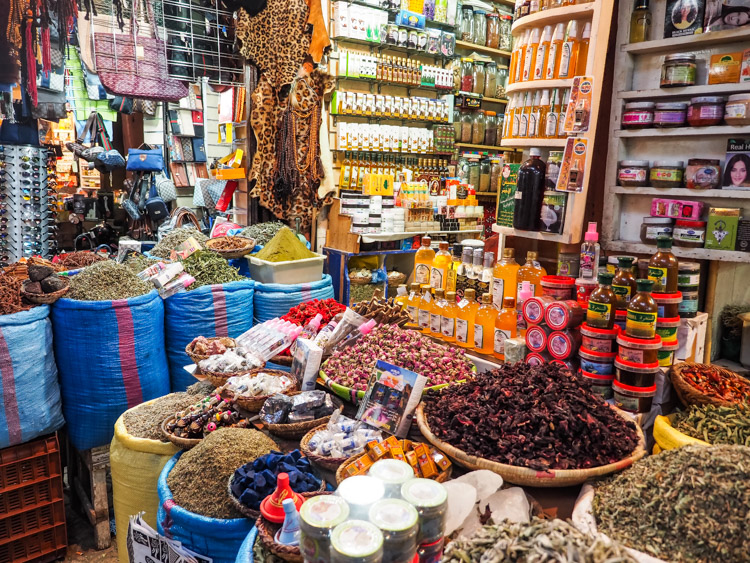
{"type": "Point", "coordinates": [624, 284]}
{"type": "Point", "coordinates": [602, 304]}
{"type": "Point", "coordinates": [642, 312]}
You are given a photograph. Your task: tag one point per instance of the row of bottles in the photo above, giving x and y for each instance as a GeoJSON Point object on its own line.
{"type": "Point", "coordinates": [355, 166]}
{"type": "Point", "coordinates": [526, 7]}
{"type": "Point", "coordinates": [536, 114]}
{"type": "Point", "coordinates": [544, 54]}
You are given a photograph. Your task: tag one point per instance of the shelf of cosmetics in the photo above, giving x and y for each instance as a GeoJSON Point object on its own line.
{"type": "Point", "coordinates": [550, 53]}
{"type": "Point", "coordinates": [536, 115]}
{"type": "Point", "coordinates": [525, 8]}
{"type": "Point", "coordinates": [397, 71]}
{"type": "Point", "coordinates": [373, 137]}
{"type": "Point", "coordinates": [362, 104]}
{"type": "Point", "coordinates": [414, 13]}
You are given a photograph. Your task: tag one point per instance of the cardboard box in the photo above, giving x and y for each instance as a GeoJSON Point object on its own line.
{"type": "Point", "coordinates": [721, 228]}
{"type": "Point", "coordinates": [725, 68]}
{"type": "Point", "coordinates": [743, 235]}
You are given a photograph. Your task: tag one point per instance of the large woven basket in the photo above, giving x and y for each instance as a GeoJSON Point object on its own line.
{"type": "Point", "coordinates": [226, 341]}
{"type": "Point", "coordinates": [254, 404]}
{"type": "Point", "coordinates": [219, 379]}
{"type": "Point", "coordinates": [531, 477]}
{"type": "Point", "coordinates": [233, 253]}
{"type": "Point", "coordinates": [253, 514]}
{"type": "Point", "coordinates": [689, 395]}
{"type": "Point", "coordinates": [442, 477]}
{"type": "Point", "coordinates": [45, 298]}
{"type": "Point", "coordinates": [183, 443]}
{"type": "Point", "coordinates": [296, 430]}
{"type": "Point", "coordinates": [667, 437]}
{"type": "Point", "coordinates": [328, 463]}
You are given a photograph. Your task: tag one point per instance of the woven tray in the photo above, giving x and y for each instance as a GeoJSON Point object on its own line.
{"type": "Point", "coordinates": [531, 477]}
{"type": "Point", "coordinates": [253, 514]}
{"type": "Point", "coordinates": [234, 253]}
{"type": "Point", "coordinates": [183, 443]}
{"type": "Point", "coordinates": [442, 477]}
{"type": "Point", "coordinates": [218, 379]}
{"type": "Point", "coordinates": [667, 437]}
{"type": "Point", "coordinates": [228, 342]}
{"type": "Point", "coordinates": [689, 395]}
{"type": "Point", "coordinates": [253, 404]}
{"type": "Point", "coordinates": [328, 463]}
{"type": "Point", "coordinates": [296, 430]}
{"type": "Point", "coordinates": [45, 298]}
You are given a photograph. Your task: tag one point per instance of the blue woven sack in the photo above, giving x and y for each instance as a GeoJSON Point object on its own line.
{"type": "Point", "coordinates": [212, 537]}
{"type": "Point", "coordinates": [30, 404]}
{"type": "Point", "coordinates": [110, 355]}
{"type": "Point", "coordinates": [275, 299]}
{"type": "Point", "coordinates": [211, 310]}
{"type": "Point", "coordinates": [245, 554]}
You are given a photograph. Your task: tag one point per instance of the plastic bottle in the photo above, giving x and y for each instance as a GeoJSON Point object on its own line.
{"type": "Point", "coordinates": [505, 278]}
{"type": "Point", "coordinates": [525, 291]}
{"type": "Point", "coordinates": [583, 50]}
{"type": "Point", "coordinates": [448, 317]}
{"type": "Point", "coordinates": [322, 338]}
{"type": "Point", "coordinates": [517, 113]}
{"type": "Point", "coordinates": [523, 116]}
{"type": "Point", "coordinates": [506, 326]}
{"type": "Point", "coordinates": [309, 331]}
{"type": "Point", "coordinates": [520, 56]}
{"type": "Point", "coordinates": [529, 192]}
{"type": "Point", "coordinates": [562, 109]}
{"type": "Point", "coordinates": [534, 115]}
{"type": "Point", "coordinates": [465, 271]}
{"type": "Point", "coordinates": [346, 172]}
{"type": "Point", "coordinates": [484, 325]}
{"type": "Point", "coordinates": [465, 319]}
{"type": "Point", "coordinates": [555, 50]}
{"type": "Point", "coordinates": [450, 283]}
{"type": "Point", "coordinates": [423, 262]}
{"type": "Point", "coordinates": [425, 309]}
{"type": "Point", "coordinates": [438, 308]}
{"type": "Point", "coordinates": [412, 304]}
{"type": "Point", "coordinates": [590, 251]}
{"type": "Point", "coordinates": [542, 53]}
{"type": "Point", "coordinates": [532, 272]}
{"type": "Point", "coordinates": [508, 117]}
{"type": "Point", "coordinates": [440, 264]}
{"type": "Point", "coordinates": [401, 296]}
{"type": "Point", "coordinates": [550, 121]}
{"type": "Point", "coordinates": [569, 54]}
{"type": "Point", "coordinates": [530, 56]}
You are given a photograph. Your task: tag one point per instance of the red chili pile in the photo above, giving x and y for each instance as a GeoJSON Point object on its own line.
{"type": "Point", "coordinates": [710, 381]}
{"type": "Point", "coordinates": [303, 312]}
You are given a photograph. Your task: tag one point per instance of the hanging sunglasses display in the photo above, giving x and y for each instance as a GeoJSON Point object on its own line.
{"type": "Point", "coordinates": [27, 224]}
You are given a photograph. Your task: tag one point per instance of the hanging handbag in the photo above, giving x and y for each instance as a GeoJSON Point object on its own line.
{"type": "Point", "coordinates": [77, 147]}
{"type": "Point", "coordinates": [178, 218]}
{"type": "Point", "coordinates": [147, 107]}
{"type": "Point", "coordinates": [110, 159]}
{"type": "Point", "coordinates": [130, 206]}
{"type": "Point", "coordinates": [121, 104]}
{"type": "Point", "coordinates": [133, 65]}
{"type": "Point", "coordinates": [145, 160]}
{"type": "Point", "coordinates": [155, 206]}
{"type": "Point", "coordinates": [165, 187]}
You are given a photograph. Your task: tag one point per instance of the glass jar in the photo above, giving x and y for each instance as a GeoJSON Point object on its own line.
{"type": "Point", "coordinates": [653, 227]}
{"type": "Point", "coordinates": [689, 233]}
{"type": "Point", "coordinates": [632, 173]}
{"type": "Point", "coordinates": [457, 124]}
{"type": "Point", "coordinates": [638, 115]}
{"type": "Point", "coordinates": [703, 174]}
{"type": "Point", "coordinates": [478, 77]}
{"type": "Point", "coordinates": [478, 126]}
{"type": "Point", "coordinates": [467, 75]}
{"type": "Point", "coordinates": [737, 110]}
{"type": "Point", "coordinates": [502, 82]}
{"type": "Point", "coordinates": [490, 79]}
{"type": "Point", "coordinates": [666, 174]}
{"type": "Point", "coordinates": [462, 170]}
{"type": "Point", "coordinates": [496, 174]}
{"type": "Point", "coordinates": [485, 170]}
{"type": "Point", "coordinates": [473, 173]}
{"type": "Point", "coordinates": [672, 114]}
{"type": "Point", "coordinates": [480, 27]}
{"type": "Point", "coordinates": [506, 39]}
{"type": "Point", "coordinates": [493, 30]}
{"type": "Point", "coordinates": [466, 125]}
{"type": "Point", "coordinates": [705, 111]}
{"type": "Point", "coordinates": [678, 70]}
{"type": "Point", "coordinates": [466, 32]}
{"type": "Point", "coordinates": [490, 128]}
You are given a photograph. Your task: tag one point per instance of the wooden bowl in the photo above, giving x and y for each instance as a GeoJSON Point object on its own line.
{"type": "Point", "coordinates": [689, 395]}
{"type": "Point", "coordinates": [226, 341]}
{"type": "Point", "coordinates": [183, 443]}
{"type": "Point", "coordinates": [45, 298]}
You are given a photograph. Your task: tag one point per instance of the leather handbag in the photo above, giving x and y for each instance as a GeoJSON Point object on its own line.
{"type": "Point", "coordinates": [147, 107]}
{"type": "Point", "coordinates": [122, 104]}
{"type": "Point", "coordinates": [77, 147]}
{"type": "Point", "coordinates": [110, 159]}
{"type": "Point", "coordinates": [165, 187]}
{"type": "Point", "coordinates": [155, 206]}
{"type": "Point", "coordinates": [130, 206]}
{"type": "Point", "coordinates": [145, 160]}
{"type": "Point", "coordinates": [135, 65]}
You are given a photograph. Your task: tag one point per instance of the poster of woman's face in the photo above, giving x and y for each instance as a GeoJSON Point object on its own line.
{"type": "Point", "coordinates": [726, 14]}
{"type": "Point", "coordinates": [684, 13]}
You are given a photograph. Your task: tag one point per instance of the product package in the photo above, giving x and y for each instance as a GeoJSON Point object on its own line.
{"type": "Point", "coordinates": [737, 168]}
{"type": "Point", "coordinates": [721, 229]}
{"type": "Point", "coordinates": [725, 14]}
{"type": "Point", "coordinates": [725, 68]}
{"type": "Point", "coordinates": [578, 115]}
{"type": "Point", "coordinates": [683, 17]}
{"type": "Point", "coordinates": [573, 166]}
{"type": "Point", "coordinates": [306, 363]}
{"type": "Point", "coordinates": [506, 203]}
{"type": "Point", "coordinates": [743, 235]}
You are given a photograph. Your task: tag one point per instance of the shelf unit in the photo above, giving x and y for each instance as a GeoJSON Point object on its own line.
{"type": "Point", "coordinates": [678, 44]}
{"type": "Point", "coordinates": [686, 92]}
{"type": "Point", "coordinates": [380, 83]}
{"type": "Point", "coordinates": [692, 253]}
{"type": "Point", "coordinates": [599, 13]}
{"type": "Point", "coordinates": [725, 131]}
{"type": "Point", "coordinates": [387, 47]}
{"type": "Point", "coordinates": [487, 148]}
{"type": "Point", "coordinates": [682, 192]}
{"type": "Point", "coordinates": [482, 49]}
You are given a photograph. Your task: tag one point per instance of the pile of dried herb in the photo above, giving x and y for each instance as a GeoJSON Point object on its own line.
{"type": "Point", "coordinates": [538, 541]}
{"type": "Point", "coordinates": [262, 232]}
{"type": "Point", "coordinates": [199, 480]}
{"type": "Point", "coordinates": [716, 425]}
{"type": "Point", "coordinates": [79, 259]}
{"type": "Point", "coordinates": [144, 421]}
{"type": "Point", "coordinates": [175, 238]}
{"type": "Point", "coordinates": [106, 281]}
{"type": "Point", "coordinates": [687, 504]}
{"type": "Point", "coordinates": [283, 247]}
{"type": "Point", "coordinates": [209, 268]}
{"type": "Point", "coordinates": [138, 262]}
{"type": "Point", "coordinates": [541, 417]}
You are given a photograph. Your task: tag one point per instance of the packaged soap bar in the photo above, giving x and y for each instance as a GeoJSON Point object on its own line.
{"type": "Point", "coordinates": [721, 229]}
{"type": "Point", "coordinates": [515, 350]}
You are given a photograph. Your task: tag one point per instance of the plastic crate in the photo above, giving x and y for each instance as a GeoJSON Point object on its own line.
{"type": "Point", "coordinates": [47, 545]}
{"type": "Point", "coordinates": [31, 496]}
{"type": "Point", "coordinates": [28, 463]}
{"type": "Point", "coordinates": [41, 518]}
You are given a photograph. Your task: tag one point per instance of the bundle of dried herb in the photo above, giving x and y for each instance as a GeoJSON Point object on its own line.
{"type": "Point", "coordinates": [208, 268]}
{"type": "Point", "coordinates": [538, 541]}
{"type": "Point", "coordinates": [106, 281]}
{"type": "Point", "coordinates": [686, 504]}
{"type": "Point", "coordinates": [541, 417]}
{"type": "Point", "coordinates": [262, 232]}
{"type": "Point", "coordinates": [175, 238]}
{"type": "Point", "coordinates": [716, 425]}
{"type": "Point", "coordinates": [138, 262]}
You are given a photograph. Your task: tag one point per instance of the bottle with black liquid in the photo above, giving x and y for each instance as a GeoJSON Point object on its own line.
{"type": "Point", "coordinates": [529, 192]}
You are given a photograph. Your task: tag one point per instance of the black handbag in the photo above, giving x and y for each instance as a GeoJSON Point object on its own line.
{"type": "Point", "coordinates": [155, 207]}
{"type": "Point", "coordinates": [130, 206]}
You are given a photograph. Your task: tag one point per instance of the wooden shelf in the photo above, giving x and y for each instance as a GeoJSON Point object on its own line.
{"type": "Point", "coordinates": [690, 42]}
{"type": "Point", "coordinates": [486, 194]}
{"type": "Point", "coordinates": [391, 118]}
{"type": "Point", "coordinates": [683, 192]}
{"type": "Point", "coordinates": [387, 47]}
{"type": "Point", "coordinates": [704, 90]}
{"type": "Point", "coordinates": [495, 100]}
{"type": "Point", "coordinates": [480, 147]}
{"type": "Point", "coordinates": [638, 247]}
{"type": "Point", "coordinates": [657, 133]}
{"type": "Point", "coordinates": [553, 16]}
{"type": "Point", "coordinates": [511, 232]}
{"type": "Point", "coordinates": [482, 49]}
{"type": "Point", "coordinates": [553, 143]}
{"type": "Point", "coordinates": [538, 84]}
{"type": "Point", "coordinates": [396, 84]}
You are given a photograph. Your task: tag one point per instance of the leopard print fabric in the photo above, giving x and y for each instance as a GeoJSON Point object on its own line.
{"type": "Point", "coordinates": [265, 115]}
{"type": "Point", "coordinates": [276, 40]}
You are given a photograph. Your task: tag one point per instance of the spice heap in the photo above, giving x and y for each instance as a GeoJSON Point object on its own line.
{"type": "Point", "coordinates": [208, 268]}
{"type": "Point", "coordinates": [204, 417]}
{"type": "Point", "coordinates": [539, 540]}
{"type": "Point", "coordinates": [359, 293]}
{"type": "Point", "coordinates": [686, 504]}
{"type": "Point", "coordinates": [384, 311]}
{"type": "Point", "coordinates": [138, 262]}
{"type": "Point", "coordinates": [80, 259]}
{"type": "Point", "coordinates": [229, 243]}
{"type": "Point", "coordinates": [284, 247]}
{"type": "Point", "coordinates": [175, 238]}
{"type": "Point", "coordinates": [716, 425]}
{"type": "Point", "coordinates": [199, 479]}
{"type": "Point", "coordinates": [262, 232]}
{"type": "Point", "coordinates": [144, 421]}
{"type": "Point", "coordinates": [353, 366]}
{"type": "Point", "coordinates": [541, 417]}
{"type": "Point", "coordinates": [106, 281]}
{"type": "Point", "coordinates": [10, 295]}
{"type": "Point", "coordinates": [710, 381]}
{"type": "Point", "coordinates": [304, 312]}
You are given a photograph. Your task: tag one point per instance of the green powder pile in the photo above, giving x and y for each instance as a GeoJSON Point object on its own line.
{"type": "Point", "coordinates": [283, 247]}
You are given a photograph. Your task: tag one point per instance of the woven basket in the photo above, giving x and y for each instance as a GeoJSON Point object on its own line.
{"type": "Point", "coordinates": [442, 477]}
{"type": "Point", "coordinates": [689, 395]}
{"type": "Point", "coordinates": [267, 530]}
{"type": "Point", "coordinates": [253, 514]}
{"type": "Point", "coordinates": [295, 430]}
{"type": "Point", "coordinates": [183, 443]}
{"type": "Point", "coordinates": [395, 281]}
{"type": "Point", "coordinates": [669, 438]}
{"type": "Point", "coordinates": [233, 253]}
{"type": "Point", "coordinates": [228, 342]}
{"type": "Point", "coordinates": [359, 280]}
{"type": "Point", "coordinates": [531, 477]}
{"type": "Point", "coordinates": [45, 298]}
{"type": "Point", "coordinates": [253, 404]}
{"type": "Point", "coordinates": [219, 379]}
{"type": "Point", "coordinates": [328, 463]}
